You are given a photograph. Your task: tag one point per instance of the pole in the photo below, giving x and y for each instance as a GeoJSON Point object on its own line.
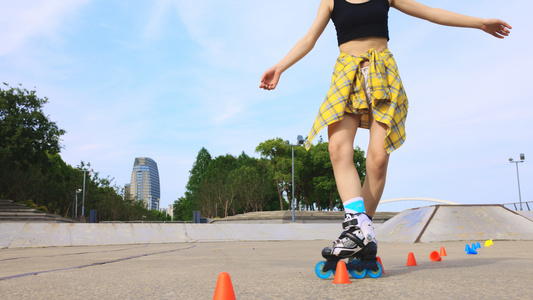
{"type": "Point", "coordinates": [73, 200]}
{"type": "Point", "coordinates": [83, 202]}
{"type": "Point", "coordinates": [300, 142]}
{"type": "Point", "coordinates": [293, 204]}
{"type": "Point", "coordinates": [518, 179]}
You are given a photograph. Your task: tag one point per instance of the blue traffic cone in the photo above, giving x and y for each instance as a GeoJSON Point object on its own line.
{"type": "Point", "coordinates": [474, 246]}
{"type": "Point", "coordinates": [470, 250]}
{"type": "Point", "coordinates": [467, 248]}
{"type": "Point", "coordinates": [478, 245]}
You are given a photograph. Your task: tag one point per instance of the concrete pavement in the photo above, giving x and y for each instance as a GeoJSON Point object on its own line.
{"type": "Point", "coordinates": [261, 270]}
{"type": "Point", "coordinates": [265, 261]}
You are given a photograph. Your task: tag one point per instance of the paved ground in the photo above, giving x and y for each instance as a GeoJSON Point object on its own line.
{"type": "Point", "coordinates": [260, 270]}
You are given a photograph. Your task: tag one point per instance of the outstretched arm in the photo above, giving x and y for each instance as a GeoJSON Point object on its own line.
{"type": "Point", "coordinates": [270, 78]}
{"type": "Point", "coordinates": [495, 27]}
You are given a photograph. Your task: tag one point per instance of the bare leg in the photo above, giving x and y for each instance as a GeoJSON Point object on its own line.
{"type": "Point", "coordinates": [377, 160]}
{"type": "Point", "coordinates": [341, 137]}
{"type": "Point", "coordinates": [357, 239]}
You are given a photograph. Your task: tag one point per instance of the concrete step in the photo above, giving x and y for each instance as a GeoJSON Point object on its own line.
{"type": "Point", "coordinates": [15, 212]}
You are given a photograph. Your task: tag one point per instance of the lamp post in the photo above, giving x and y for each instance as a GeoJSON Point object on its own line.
{"type": "Point", "coordinates": [77, 192]}
{"type": "Point", "coordinates": [300, 141]}
{"type": "Point", "coordinates": [522, 158]}
{"type": "Point", "coordinates": [83, 197]}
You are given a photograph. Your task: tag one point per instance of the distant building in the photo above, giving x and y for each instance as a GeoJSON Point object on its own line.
{"type": "Point", "coordinates": [145, 182]}
{"type": "Point", "coordinates": [170, 211]}
{"type": "Point", "coordinates": [163, 210]}
{"type": "Point", "coordinates": [127, 191]}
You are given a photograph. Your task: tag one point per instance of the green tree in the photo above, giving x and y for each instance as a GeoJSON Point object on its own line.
{"type": "Point", "coordinates": [323, 178]}
{"type": "Point", "coordinates": [228, 185]}
{"type": "Point", "coordinates": [253, 185]}
{"type": "Point", "coordinates": [184, 206]}
{"type": "Point", "coordinates": [27, 137]}
{"type": "Point", "coordinates": [303, 177]}
{"type": "Point", "coordinates": [217, 192]}
{"type": "Point", "coordinates": [275, 151]}
{"type": "Point", "coordinates": [203, 160]}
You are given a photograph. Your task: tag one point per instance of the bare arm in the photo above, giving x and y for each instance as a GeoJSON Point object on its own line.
{"type": "Point", "coordinates": [495, 27]}
{"type": "Point", "coordinates": [270, 78]}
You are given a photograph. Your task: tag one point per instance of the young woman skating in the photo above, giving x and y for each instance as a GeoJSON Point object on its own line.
{"type": "Point", "coordinates": [366, 91]}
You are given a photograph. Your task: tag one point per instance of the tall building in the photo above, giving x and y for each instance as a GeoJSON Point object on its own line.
{"type": "Point", "coordinates": [145, 182]}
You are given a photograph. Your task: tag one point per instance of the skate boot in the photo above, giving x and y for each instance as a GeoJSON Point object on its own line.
{"type": "Point", "coordinates": [356, 243]}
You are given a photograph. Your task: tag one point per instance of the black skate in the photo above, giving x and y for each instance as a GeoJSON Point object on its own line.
{"type": "Point", "coordinates": [358, 245]}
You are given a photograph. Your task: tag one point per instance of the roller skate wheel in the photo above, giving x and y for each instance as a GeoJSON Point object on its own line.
{"type": "Point", "coordinates": [376, 274]}
{"type": "Point", "coordinates": [319, 270]}
{"type": "Point", "coordinates": [357, 275]}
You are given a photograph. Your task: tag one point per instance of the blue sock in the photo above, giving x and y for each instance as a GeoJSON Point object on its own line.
{"type": "Point", "coordinates": [354, 206]}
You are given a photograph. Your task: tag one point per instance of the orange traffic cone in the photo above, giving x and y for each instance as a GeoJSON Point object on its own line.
{"type": "Point", "coordinates": [379, 261]}
{"type": "Point", "coordinates": [411, 261]}
{"type": "Point", "coordinates": [224, 289]}
{"type": "Point", "coordinates": [442, 251]}
{"type": "Point", "coordinates": [434, 256]}
{"type": "Point", "coordinates": [341, 274]}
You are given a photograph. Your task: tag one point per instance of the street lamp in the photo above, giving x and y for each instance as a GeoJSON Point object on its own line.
{"type": "Point", "coordinates": [522, 158]}
{"type": "Point", "coordinates": [77, 192]}
{"type": "Point", "coordinates": [300, 141]}
{"type": "Point", "coordinates": [83, 201]}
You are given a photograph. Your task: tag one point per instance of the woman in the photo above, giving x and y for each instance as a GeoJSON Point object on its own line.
{"type": "Point", "coordinates": [366, 91]}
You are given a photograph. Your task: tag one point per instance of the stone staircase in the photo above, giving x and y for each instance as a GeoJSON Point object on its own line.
{"type": "Point", "coordinates": [14, 212]}
{"type": "Point", "coordinates": [300, 217]}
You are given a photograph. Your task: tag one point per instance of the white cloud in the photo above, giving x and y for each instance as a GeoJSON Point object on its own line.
{"type": "Point", "coordinates": [24, 20]}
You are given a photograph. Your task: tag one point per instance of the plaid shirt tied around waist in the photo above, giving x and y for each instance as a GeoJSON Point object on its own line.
{"type": "Point", "coordinates": [347, 95]}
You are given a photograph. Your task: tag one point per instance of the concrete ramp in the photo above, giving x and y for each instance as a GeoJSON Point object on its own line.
{"type": "Point", "coordinates": [456, 223]}
{"type": "Point", "coordinates": [527, 214]}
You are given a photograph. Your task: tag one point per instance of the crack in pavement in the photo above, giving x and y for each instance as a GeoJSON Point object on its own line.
{"type": "Point", "coordinates": [95, 264]}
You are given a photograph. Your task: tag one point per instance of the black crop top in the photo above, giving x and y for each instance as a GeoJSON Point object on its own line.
{"type": "Point", "coordinates": [359, 20]}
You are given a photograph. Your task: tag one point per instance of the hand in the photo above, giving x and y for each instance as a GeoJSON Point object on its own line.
{"type": "Point", "coordinates": [270, 79]}
{"type": "Point", "coordinates": [497, 28]}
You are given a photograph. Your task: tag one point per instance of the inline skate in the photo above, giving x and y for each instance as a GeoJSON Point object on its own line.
{"type": "Point", "coordinates": [356, 243]}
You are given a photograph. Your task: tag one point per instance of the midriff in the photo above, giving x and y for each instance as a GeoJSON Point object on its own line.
{"type": "Point", "coordinates": [359, 46]}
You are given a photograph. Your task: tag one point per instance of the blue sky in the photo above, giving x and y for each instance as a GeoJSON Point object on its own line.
{"type": "Point", "coordinates": [165, 78]}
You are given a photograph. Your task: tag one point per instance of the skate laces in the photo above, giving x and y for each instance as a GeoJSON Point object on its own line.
{"type": "Point", "coordinates": [350, 238]}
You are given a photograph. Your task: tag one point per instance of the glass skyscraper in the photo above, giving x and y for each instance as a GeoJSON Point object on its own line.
{"type": "Point", "coordinates": [145, 182]}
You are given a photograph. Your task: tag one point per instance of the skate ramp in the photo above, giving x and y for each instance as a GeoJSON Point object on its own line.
{"type": "Point", "coordinates": [526, 214]}
{"type": "Point", "coordinates": [456, 223]}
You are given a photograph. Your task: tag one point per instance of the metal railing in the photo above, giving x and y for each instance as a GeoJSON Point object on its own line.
{"type": "Point", "coordinates": [147, 222]}
{"type": "Point", "coordinates": [516, 205]}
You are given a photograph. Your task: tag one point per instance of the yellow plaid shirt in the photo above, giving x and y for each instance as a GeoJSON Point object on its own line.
{"type": "Point", "coordinates": [347, 95]}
